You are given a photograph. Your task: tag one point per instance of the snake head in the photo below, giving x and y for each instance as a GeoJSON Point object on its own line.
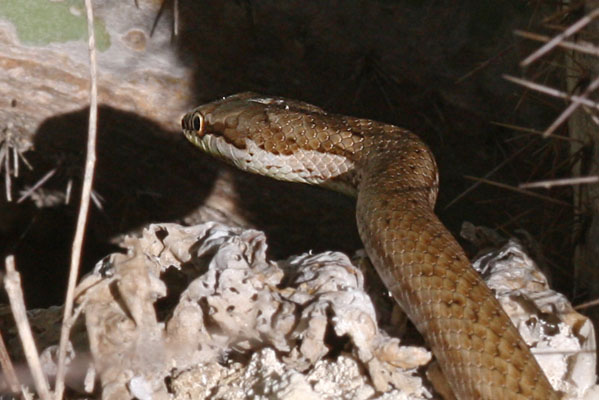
{"type": "Point", "coordinates": [283, 139]}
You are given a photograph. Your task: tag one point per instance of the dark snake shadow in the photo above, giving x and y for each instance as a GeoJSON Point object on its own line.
{"type": "Point", "coordinates": [143, 175]}
{"type": "Point", "coordinates": [298, 218]}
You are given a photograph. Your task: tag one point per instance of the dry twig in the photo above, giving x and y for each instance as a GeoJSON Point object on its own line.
{"type": "Point", "coordinates": [548, 184]}
{"type": "Point", "coordinates": [534, 131]}
{"type": "Point", "coordinates": [10, 143]}
{"type": "Point", "coordinates": [37, 185]}
{"type": "Point", "coordinates": [551, 91]}
{"type": "Point", "coordinates": [582, 47]}
{"type": "Point", "coordinates": [515, 189]}
{"type": "Point", "coordinates": [587, 304]}
{"type": "Point", "coordinates": [576, 100]}
{"type": "Point", "coordinates": [12, 284]}
{"type": "Point", "coordinates": [488, 174]}
{"type": "Point", "coordinates": [8, 369]}
{"type": "Point", "coordinates": [483, 64]}
{"type": "Point", "coordinates": [572, 29]}
{"type": "Point", "coordinates": [571, 108]}
{"type": "Point", "coordinates": [84, 206]}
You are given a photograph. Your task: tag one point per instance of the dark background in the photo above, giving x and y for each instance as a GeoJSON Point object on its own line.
{"type": "Point", "coordinates": [434, 67]}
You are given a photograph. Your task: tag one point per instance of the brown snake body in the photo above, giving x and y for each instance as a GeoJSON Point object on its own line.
{"type": "Point", "coordinates": [394, 175]}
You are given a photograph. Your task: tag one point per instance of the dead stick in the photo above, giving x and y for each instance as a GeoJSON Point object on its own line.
{"type": "Point", "coordinates": [572, 29]}
{"type": "Point", "coordinates": [583, 47]}
{"type": "Point", "coordinates": [12, 284]}
{"type": "Point", "coordinates": [9, 370]}
{"type": "Point", "coordinates": [552, 92]}
{"type": "Point", "coordinates": [90, 163]}
{"type": "Point", "coordinates": [560, 182]}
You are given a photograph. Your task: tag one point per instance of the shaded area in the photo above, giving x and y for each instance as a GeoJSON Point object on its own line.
{"type": "Point", "coordinates": [146, 175]}
{"type": "Point", "coordinates": [143, 175]}
{"type": "Point", "coordinates": [414, 64]}
{"type": "Point", "coordinates": [298, 218]}
{"type": "Point", "coordinates": [433, 67]}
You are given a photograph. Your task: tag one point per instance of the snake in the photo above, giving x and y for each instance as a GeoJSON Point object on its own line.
{"type": "Point", "coordinates": [394, 176]}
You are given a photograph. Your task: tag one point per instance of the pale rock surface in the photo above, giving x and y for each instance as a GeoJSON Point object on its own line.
{"type": "Point", "coordinates": [242, 326]}
{"type": "Point", "coordinates": [46, 65]}
{"type": "Point", "coordinates": [237, 301]}
{"type": "Point", "coordinates": [562, 340]}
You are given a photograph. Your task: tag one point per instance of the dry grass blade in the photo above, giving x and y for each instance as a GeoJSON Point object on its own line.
{"type": "Point", "coordinates": [10, 143]}
{"type": "Point", "coordinates": [534, 131]}
{"type": "Point", "coordinates": [7, 178]}
{"type": "Point", "coordinates": [12, 284]}
{"type": "Point", "coordinates": [8, 369]}
{"type": "Point", "coordinates": [587, 304]}
{"type": "Point", "coordinates": [97, 199]}
{"type": "Point", "coordinates": [515, 189]}
{"type": "Point", "coordinates": [90, 163]}
{"type": "Point", "coordinates": [582, 47]}
{"type": "Point", "coordinates": [37, 185]}
{"type": "Point", "coordinates": [551, 91]}
{"type": "Point", "coordinates": [175, 26]}
{"type": "Point", "coordinates": [572, 29]}
{"type": "Point", "coordinates": [572, 107]}
{"type": "Point", "coordinates": [483, 65]}
{"type": "Point", "coordinates": [488, 174]}
{"type": "Point", "coordinates": [548, 184]}
{"type": "Point", "coordinates": [176, 18]}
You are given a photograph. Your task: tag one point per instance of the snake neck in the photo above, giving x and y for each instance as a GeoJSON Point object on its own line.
{"type": "Point", "coordinates": [399, 168]}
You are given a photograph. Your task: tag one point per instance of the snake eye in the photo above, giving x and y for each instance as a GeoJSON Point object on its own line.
{"type": "Point", "coordinates": [197, 122]}
{"type": "Point", "coordinates": [193, 122]}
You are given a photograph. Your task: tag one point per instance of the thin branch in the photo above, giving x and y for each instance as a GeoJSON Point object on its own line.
{"type": "Point", "coordinates": [488, 174]}
{"type": "Point", "coordinates": [39, 183]}
{"type": "Point", "coordinates": [8, 369]}
{"type": "Point", "coordinates": [588, 304]}
{"type": "Point", "coordinates": [512, 219]}
{"type": "Point", "coordinates": [67, 192]}
{"type": "Point", "coordinates": [11, 146]}
{"type": "Point", "coordinates": [97, 199]}
{"type": "Point", "coordinates": [176, 18]}
{"type": "Point", "coordinates": [161, 10]}
{"type": "Point", "coordinates": [591, 114]}
{"type": "Point", "coordinates": [90, 163]}
{"type": "Point", "coordinates": [582, 47]}
{"type": "Point", "coordinates": [572, 29]}
{"type": "Point", "coordinates": [548, 184]}
{"type": "Point", "coordinates": [521, 191]}
{"type": "Point", "coordinates": [483, 65]}
{"type": "Point", "coordinates": [571, 108]}
{"type": "Point", "coordinates": [551, 91]}
{"type": "Point", "coordinates": [562, 12]}
{"type": "Point", "coordinates": [534, 131]}
{"type": "Point", "coordinates": [12, 284]}
{"type": "Point", "coordinates": [7, 175]}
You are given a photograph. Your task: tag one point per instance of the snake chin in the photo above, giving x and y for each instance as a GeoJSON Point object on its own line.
{"type": "Point", "coordinates": [302, 167]}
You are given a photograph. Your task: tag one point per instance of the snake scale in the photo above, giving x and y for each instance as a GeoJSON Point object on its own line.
{"type": "Point", "coordinates": [394, 176]}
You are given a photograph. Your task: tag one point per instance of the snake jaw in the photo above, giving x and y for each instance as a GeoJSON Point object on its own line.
{"type": "Point", "coordinates": [292, 168]}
